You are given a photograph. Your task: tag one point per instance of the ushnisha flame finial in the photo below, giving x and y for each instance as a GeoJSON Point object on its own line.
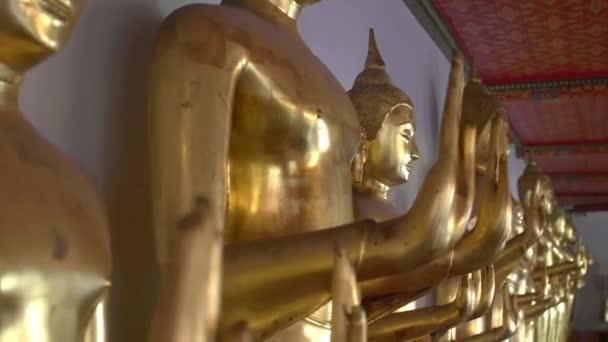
{"type": "Point", "coordinates": [374, 58]}
{"type": "Point", "coordinates": [373, 93]}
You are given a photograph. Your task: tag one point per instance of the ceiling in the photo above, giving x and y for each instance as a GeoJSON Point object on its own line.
{"type": "Point", "coordinates": [547, 61]}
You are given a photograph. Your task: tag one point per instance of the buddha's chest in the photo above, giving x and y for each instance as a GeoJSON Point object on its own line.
{"type": "Point", "coordinates": [294, 134]}
{"type": "Point", "coordinates": [54, 259]}
{"type": "Point", "coordinates": [293, 110]}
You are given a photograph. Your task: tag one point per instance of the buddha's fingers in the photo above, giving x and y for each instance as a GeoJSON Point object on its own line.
{"type": "Point", "coordinates": [488, 290]}
{"type": "Point", "coordinates": [357, 326]}
{"type": "Point", "coordinates": [466, 296]}
{"type": "Point", "coordinates": [188, 306]}
{"type": "Point", "coordinates": [465, 179]}
{"type": "Point", "coordinates": [345, 295]}
{"type": "Point", "coordinates": [448, 139]}
{"type": "Point", "coordinates": [512, 315]}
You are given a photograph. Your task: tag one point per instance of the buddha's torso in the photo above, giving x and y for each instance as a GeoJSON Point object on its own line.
{"type": "Point", "coordinates": [54, 246]}
{"type": "Point", "coordinates": [294, 131]}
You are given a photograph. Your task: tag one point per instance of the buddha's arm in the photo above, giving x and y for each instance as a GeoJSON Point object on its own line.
{"type": "Point", "coordinates": [346, 301]}
{"type": "Point", "coordinates": [483, 285]}
{"type": "Point", "coordinates": [511, 319]}
{"type": "Point", "coordinates": [533, 311]}
{"type": "Point", "coordinates": [407, 325]}
{"type": "Point", "coordinates": [97, 329]}
{"type": "Point", "coordinates": [527, 298]}
{"type": "Point", "coordinates": [357, 325]}
{"type": "Point", "coordinates": [382, 296]}
{"type": "Point", "coordinates": [486, 293]}
{"type": "Point", "coordinates": [193, 76]}
{"type": "Point", "coordinates": [401, 288]}
{"type": "Point", "coordinates": [188, 306]}
{"type": "Point", "coordinates": [562, 268]}
{"type": "Point", "coordinates": [509, 258]}
{"type": "Point", "coordinates": [478, 248]}
{"type": "Point", "coordinates": [293, 273]}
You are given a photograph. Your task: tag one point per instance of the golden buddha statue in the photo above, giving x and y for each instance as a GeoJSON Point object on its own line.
{"type": "Point", "coordinates": [536, 192]}
{"type": "Point", "coordinates": [493, 222]}
{"type": "Point", "coordinates": [244, 114]}
{"type": "Point", "coordinates": [536, 201]}
{"type": "Point", "coordinates": [560, 275]}
{"type": "Point", "coordinates": [56, 260]}
{"type": "Point", "coordinates": [385, 159]}
{"type": "Point", "coordinates": [487, 233]}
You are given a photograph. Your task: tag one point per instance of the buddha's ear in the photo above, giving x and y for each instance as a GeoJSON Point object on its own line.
{"type": "Point", "coordinates": [358, 164]}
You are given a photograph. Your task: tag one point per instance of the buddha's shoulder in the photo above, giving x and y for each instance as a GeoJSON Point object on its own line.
{"type": "Point", "coordinates": [204, 21]}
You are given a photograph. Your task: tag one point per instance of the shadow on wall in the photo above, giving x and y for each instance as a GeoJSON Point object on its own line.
{"type": "Point", "coordinates": [135, 277]}
{"type": "Point", "coordinates": [123, 33]}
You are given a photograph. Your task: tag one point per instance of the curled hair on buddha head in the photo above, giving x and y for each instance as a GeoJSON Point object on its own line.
{"type": "Point", "coordinates": [373, 94]}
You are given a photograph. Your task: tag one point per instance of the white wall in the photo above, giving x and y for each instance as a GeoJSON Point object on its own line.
{"type": "Point", "coordinates": [593, 228]}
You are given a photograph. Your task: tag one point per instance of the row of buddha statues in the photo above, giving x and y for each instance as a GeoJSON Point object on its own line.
{"type": "Point", "coordinates": [270, 199]}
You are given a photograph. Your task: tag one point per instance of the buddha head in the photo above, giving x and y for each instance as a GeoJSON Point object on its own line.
{"type": "Point", "coordinates": [535, 189]}
{"type": "Point", "coordinates": [569, 236]}
{"type": "Point", "coordinates": [31, 30]}
{"type": "Point", "coordinates": [534, 182]}
{"type": "Point", "coordinates": [388, 149]}
{"type": "Point", "coordinates": [558, 220]}
{"type": "Point", "coordinates": [479, 106]}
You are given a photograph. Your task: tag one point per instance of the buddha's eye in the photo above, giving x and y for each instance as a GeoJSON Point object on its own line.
{"type": "Point", "coordinates": [406, 133]}
{"type": "Point", "coordinates": [58, 8]}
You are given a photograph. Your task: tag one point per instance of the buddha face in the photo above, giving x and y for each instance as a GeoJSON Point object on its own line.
{"type": "Point", "coordinates": [32, 29]}
{"type": "Point", "coordinates": [392, 154]}
{"type": "Point", "coordinates": [547, 198]}
{"type": "Point", "coordinates": [559, 227]}
{"type": "Point", "coordinates": [570, 234]}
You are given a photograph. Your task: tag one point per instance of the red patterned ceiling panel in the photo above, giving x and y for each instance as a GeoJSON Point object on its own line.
{"type": "Point", "coordinates": [591, 163]}
{"type": "Point", "coordinates": [563, 120]}
{"type": "Point", "coordinates": [518, 41]}
{"type": "Point", "coordinates": [582, 200]}
{"type": "Point", "coordinates": [592, 186]}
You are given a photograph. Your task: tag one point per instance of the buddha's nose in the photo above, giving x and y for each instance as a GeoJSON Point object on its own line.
{"type": "Point", "coordinates": [415, 152]}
